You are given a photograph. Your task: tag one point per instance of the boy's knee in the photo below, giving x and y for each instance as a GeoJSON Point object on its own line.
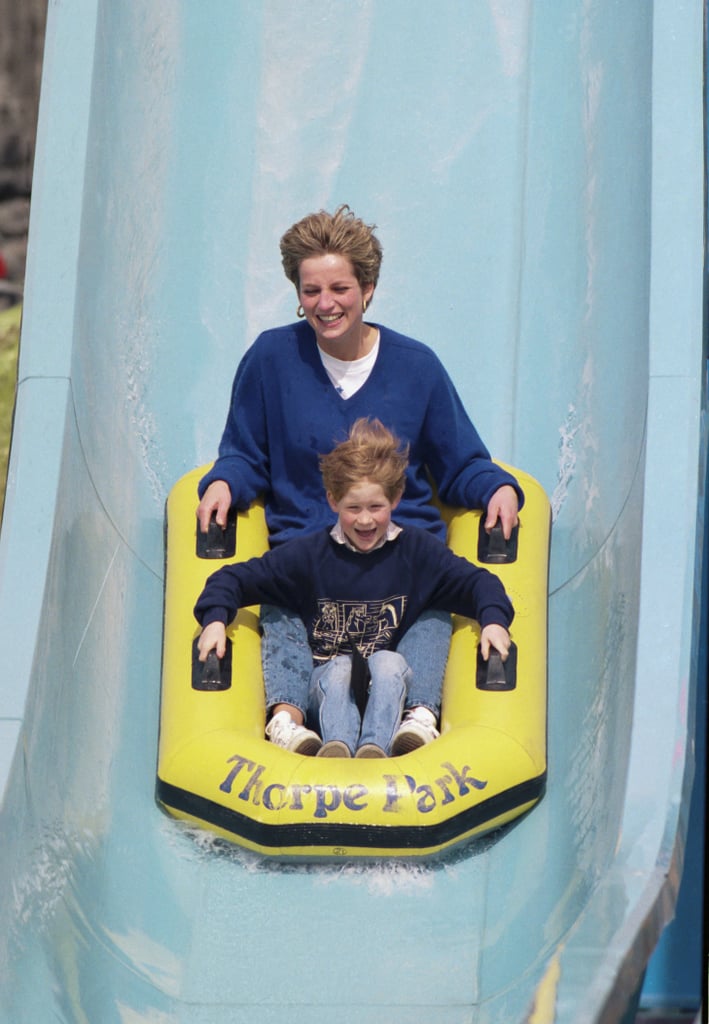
{"type": "Point", "coordinates": [279, 626]}
{"type": "Point", "coordinates": [337, 673]}
{"type": "Point", "coordinates": [389, 662]}
{"type": "Point", "coordinates": [392, 659]}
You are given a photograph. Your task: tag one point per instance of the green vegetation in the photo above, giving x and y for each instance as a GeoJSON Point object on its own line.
{"type": "Point", "coordinates": [9, 340]}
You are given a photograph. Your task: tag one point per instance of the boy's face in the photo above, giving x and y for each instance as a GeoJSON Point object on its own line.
{"type": "Point", "coordinates": [364, 513]}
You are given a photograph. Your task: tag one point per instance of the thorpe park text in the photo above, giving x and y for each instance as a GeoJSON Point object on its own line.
{"type": "Point", "coordinates": [324, 799]}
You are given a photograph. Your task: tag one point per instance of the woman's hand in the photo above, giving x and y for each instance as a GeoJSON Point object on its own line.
{"type": "Point", "coordinates": [503, 505]}
{"type": "Point", "coordinates": [217, 498]}
{"type": "Point", "coordinates": [497, 637]}
{"type": "Point", "coordinates": [212, 637]}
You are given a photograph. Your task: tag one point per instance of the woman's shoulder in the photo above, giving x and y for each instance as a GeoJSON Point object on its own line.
{"type": "Point", "coordinates": [397, 343]}
{"type": "Point", "coordinates": [276, 337]}
{"type": "Point", "coordinates": [276, 348]}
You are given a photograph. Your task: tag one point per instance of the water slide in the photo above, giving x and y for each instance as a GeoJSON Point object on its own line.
{"type": "Point", "coordinates": [536, 175]}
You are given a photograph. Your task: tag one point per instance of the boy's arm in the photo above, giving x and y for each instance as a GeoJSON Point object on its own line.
{"type": "Point", "coordinates": [212, 638]}
{"type": "Point", "coordinates": [495, 636]}
{"type": "Point", "coordinates": [220, 599]}
{"type": "Point", "coordinates": [278, 577]}
{"type": "Point", "coordinates": [459, 586]}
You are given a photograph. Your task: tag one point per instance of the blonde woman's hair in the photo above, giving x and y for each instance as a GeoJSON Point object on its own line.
{"type": "Point", "coordinates": [340, 233]}
{"type": "Point", "coordinates": [371, 452]}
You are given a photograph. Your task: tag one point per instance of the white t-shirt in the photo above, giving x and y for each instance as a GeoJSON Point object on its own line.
{"type": "Point", "coordinates": [348, 376]}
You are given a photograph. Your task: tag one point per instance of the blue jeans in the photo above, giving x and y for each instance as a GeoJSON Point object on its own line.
{"type": "Point", "coordinates": [288, 662]}
{"type": "Point", "coordinates": [332, 709]}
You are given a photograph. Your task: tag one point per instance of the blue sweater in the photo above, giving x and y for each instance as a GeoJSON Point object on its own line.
{"type": "Point", "coordinates": [284, 413]}
{"type": "Point", "coordinates": [340, 594]}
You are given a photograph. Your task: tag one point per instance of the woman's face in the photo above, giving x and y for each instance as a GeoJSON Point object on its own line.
{"type": "Point", "coordinates": [333, 302]}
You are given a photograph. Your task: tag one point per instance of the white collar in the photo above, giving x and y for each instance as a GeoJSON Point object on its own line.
{"type": "Point", "coordinates": [338, 535]}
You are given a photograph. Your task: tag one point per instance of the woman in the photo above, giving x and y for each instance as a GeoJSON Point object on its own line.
{"type": "Point", "coordinates": [296, 393]}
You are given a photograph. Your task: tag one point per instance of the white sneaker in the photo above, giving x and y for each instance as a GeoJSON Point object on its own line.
{"type": "Point", "coordinates": [370, 750]}
{"type": "Point", "coordinates": [334, 748]}
{"type": "Point", "coordinates": [417, 728]}
{"type": "Point", "coordinates": [283, 731]}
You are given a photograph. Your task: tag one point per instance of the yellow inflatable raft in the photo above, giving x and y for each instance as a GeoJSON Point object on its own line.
{"type": "Point", "coordinates": [216, 770]}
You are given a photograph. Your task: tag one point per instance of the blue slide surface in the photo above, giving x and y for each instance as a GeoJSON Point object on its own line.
{"type": "Point", "coordinates": [537, 182]}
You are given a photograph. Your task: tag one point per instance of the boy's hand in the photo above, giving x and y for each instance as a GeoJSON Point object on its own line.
{"type": "Point", "coordinates": [217, 498]}
{"type": "Point", "coordinates": [503, 505]}
{"type": "Point", "coordinates": [497, 637]}
{"type": "Point", "coordinates": [212, 637]}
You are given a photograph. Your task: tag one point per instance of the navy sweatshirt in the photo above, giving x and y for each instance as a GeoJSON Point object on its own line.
{"type": "Point", "coordinates": [342, 596]}
{"type": "Point", "coordinates": [284, 413]}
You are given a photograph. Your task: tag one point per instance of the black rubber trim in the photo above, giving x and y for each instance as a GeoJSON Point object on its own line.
{"type": "Point", "coordinates": [380, 837]}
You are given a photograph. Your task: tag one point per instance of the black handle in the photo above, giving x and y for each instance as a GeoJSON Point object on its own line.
{"type": "Point", "coordinates": [495, 674]}
{"type": "Point", "coordinates": [218, 542]}
{"type": "Point", "coordinates": [493, 548]}
{"type": "Point", "coordinates": [213, 673]}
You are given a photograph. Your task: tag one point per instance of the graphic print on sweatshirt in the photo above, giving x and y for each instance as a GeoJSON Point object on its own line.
{"type": "Point", "coordinates": [370, 625]}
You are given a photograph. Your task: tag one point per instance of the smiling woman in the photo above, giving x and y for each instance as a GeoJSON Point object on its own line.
{"type": "Point", "coordinates": [333, 303]}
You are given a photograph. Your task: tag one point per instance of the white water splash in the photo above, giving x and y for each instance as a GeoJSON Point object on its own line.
{"type": "Point", "coordinates": [567, 461]}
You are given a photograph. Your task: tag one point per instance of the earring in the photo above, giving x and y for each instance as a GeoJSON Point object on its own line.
{"type": "Point", "coordinates": [364, 305]}
{"type": "Point", "coordinates": [300, 312]}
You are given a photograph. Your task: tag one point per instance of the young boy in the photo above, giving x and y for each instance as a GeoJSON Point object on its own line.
{"type": "Point", "coordinates": [360, 585]}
